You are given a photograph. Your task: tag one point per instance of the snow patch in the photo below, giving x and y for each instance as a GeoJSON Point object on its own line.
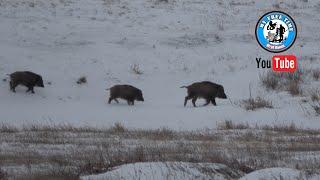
{"type": "Point", "coordinates": [168, 170]}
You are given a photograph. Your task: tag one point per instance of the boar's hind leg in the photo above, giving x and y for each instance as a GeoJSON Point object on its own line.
{"type": "Point", "coordinates": [213, 101]}
{"type": "Point", "coordinates": [207, 102]}
{"type": "Point", "coordinates": [116, 100]}
{"type": "Point", "coordinates": [194, 99]}
{"type": "Point", "coordinates": [186, 100]}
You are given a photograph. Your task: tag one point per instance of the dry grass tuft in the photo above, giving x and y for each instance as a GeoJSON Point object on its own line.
{"type": "Point", "coordinates": [256, 103]}
{"type": "Point", "coordinates": [282, 128]}
{"type": "Point", "coordinates": [136, 69]}
{"type": "Point", "coordinates": [293, 87]}
{"type": "Point", "coordinates": [315, 95]}
{"type": "Point", "coordinates": [118, 128]}
{"type": "Point", "coordinates": [285, 81]}
{"type": "Point", "coordinates": [316, 108]}
{"type": "Point", "coordinates": [227, 125]}
{"type": "Point", "coordinates": [316, 74]}
{"type": "Point", "coordinates": [270, 80]}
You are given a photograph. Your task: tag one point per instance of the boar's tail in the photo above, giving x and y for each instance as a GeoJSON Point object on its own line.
{"type": "Point", "coordinates": [184, 87]}
{"type": "Point", "coordinates": [108, 89]}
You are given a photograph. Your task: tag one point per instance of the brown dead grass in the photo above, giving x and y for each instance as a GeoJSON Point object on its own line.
{"type": "Point", "coordinates": [283, 81]}
{"type": "Point", "coordinates": [256, 103]}
{"type": "Point", "coordinates": [69, 152]}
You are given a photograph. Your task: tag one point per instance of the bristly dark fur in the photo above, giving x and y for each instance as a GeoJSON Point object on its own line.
{"type": "Point", "coordinates": [127, 92]}
{"type": "Point", "coordinates": [205, 89]}
{"type": "Point", "coordinates": [26, 78]}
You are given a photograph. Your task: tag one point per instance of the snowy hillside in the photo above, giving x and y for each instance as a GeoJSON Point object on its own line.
{"type": "Point", "coordinates": [168, 170]}
{"type": "Point", "coordinates": [190, 171]}
{"type": "Point", "coordinates": [278, 174]}
{"type": "Point", "coordinates": [155, 46]}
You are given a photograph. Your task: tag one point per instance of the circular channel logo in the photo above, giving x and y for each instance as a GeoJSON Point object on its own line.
{"type": "Point", "coordinates": [276, 31]}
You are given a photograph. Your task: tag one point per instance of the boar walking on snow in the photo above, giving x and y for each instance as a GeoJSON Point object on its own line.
{"type": "Point", "coordinates": [126, 92]}
{"type": "Point", "coordinates": [205, 89]}
{"type": "Point", "coordinates": [26, 78]}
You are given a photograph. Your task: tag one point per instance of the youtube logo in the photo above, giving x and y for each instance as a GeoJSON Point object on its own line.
{"type": "Point", "coordinates": [284, 63]}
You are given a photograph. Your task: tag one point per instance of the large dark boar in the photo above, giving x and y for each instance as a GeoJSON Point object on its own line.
{"type": "Point", "coordinates": [126, 92]}
{"type": "Point", "coordinates": [207, 90]}
{"type": "Point", "coordinates": [26, 78]}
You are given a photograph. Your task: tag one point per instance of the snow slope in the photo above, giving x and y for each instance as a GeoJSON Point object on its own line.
{"type": "Point", "coordinates": [277, 173]}
{"type": "Point", "coordinates": [173, 44]}
{"type": "Point", "coordinates": [168, 170]}
{"type": "Point", "coordinates": [181, 170]}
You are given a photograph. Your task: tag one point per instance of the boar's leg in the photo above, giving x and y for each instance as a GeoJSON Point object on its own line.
{"type": "Point", "coordinates": [194, 99]}
{"type": "Point", "coordinates": [13, 86]}
{"type": "Point", "coordinates": [207, 102]}
{"type": "Point", "coordinates": [112, 98]}
{"type": "Point", "coordinates": [186, 100]}
{"type": "Point", "coordinates": [30, 88]}
{"type": "Point", "coordinates": [213, 101]}
{"type": "Point", "coordinates": [130, 102]}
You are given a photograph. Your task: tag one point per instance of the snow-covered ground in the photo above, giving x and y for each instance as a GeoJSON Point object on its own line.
{"type": "Point", "coordinates": [168, 170]}
{"type": "Point", "coordinates": [173, 44]}
{"type": "Point", "coordinates": [278, 174]}
{"type": "Point", "coordinates": [190, 171]}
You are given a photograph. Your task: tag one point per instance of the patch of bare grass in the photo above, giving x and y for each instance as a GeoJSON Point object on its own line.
{"type": "Point", "coordinates": [256, 103]}
{"type": "Point", "coordinates": [227, 125]}
{"type": "Point", "coordinates": [316, 74]}
{"type": "Point", "coordinates": [76, 151]}
{"type": "Point", "coordinates": [4, 128]}
{"type": "Point", "coordinates": [284, 81]}
{"type": "Point", "coordinates": [282, 128]}
{"type": "Point", "coordinates": [316, 107]}
{"type": "Point", "coordinates": [270, 80]}
{"type": "Point", "coordinates": [293, 87]}
{"type": "Point", "coordinates": [118, 128]}
{"type": "Point", "coordinates": [249, 3]}
{"type": "Point", "coordinates": [315, 95]}
{"type": "Point", "coordinates": [135, 68]}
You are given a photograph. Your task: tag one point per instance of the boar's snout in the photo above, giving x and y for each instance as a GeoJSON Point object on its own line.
{"type": "Point", "coordinates": [223, 96]}
{"type": "Point", "coordinates": [140, 98]}
{"type": "Point", "coordinates": [40, 83]}
{"type": "Point", "coordinates": [221, 93]}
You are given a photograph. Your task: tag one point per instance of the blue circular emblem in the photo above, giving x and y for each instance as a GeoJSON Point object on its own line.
{"type": "Point", "coordinates": [276, 31]}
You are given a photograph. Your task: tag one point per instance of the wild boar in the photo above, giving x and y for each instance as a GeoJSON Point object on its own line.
{"type": "Point", "coordinates": [126, 92]}
{"type": "Point", "coordinates": [205, 89]}
{"type": "Point", "coordinates": [26, 78]}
